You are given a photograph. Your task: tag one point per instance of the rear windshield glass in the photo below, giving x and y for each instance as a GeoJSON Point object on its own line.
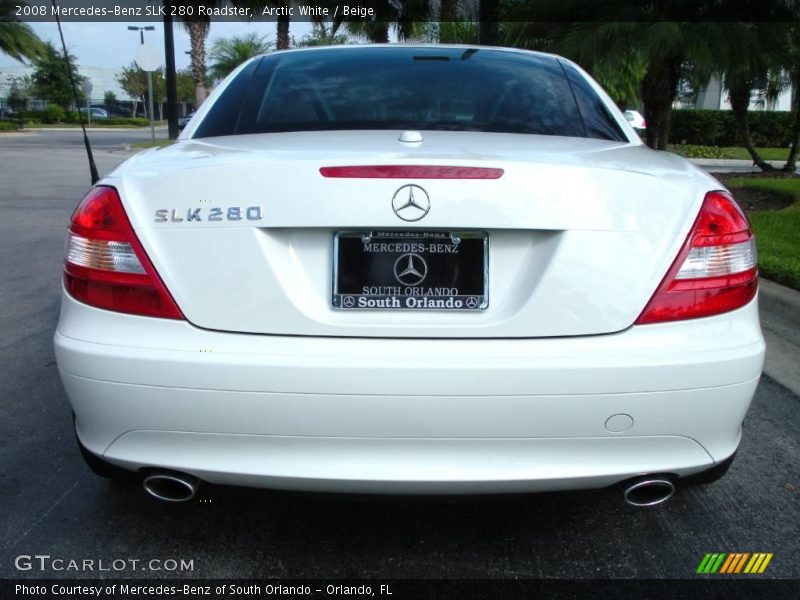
{"type": "Point", "coordinates": [408, 88]}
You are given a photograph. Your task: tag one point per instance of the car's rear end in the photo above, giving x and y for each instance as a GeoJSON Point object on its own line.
{"type": "Point", "coordinates": [412, 270]}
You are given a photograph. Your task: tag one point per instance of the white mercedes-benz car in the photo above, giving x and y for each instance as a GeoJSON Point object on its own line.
{"type": "Point", "coordinates": [413, 270]}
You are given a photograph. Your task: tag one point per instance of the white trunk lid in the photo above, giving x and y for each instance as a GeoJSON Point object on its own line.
{"type": "Point", "coordinates": [580, 231]}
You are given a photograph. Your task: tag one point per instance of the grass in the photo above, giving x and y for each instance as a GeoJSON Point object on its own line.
{"type": "Point", "coordinates": [692, 151]}
{"type": "Point", "coordinates": [152, 144]}
{"type": "Point", "coordinates": [777, 232]}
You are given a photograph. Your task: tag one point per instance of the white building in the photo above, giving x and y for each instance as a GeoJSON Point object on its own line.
{"type": "Point", "coordinates": [715, 97]}
{"type": "Point", "coordinates": [103, 79]}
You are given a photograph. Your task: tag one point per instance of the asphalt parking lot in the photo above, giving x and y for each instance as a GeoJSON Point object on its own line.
{"type": "Point", "coordinates": [53, 505]}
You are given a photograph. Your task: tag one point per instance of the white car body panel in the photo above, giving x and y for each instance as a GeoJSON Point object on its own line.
{"type": "Point", "coordinates": [581, 231]}
{"type": "Point", "coordinates": [552, 387]}
{"type": "Point", "coordinates": [415, 416]}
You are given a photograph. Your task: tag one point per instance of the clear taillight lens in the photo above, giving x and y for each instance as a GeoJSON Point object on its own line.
{"type": "Point", "coordinates": [102, 254]}
{"type": "Point", "coordinates": [714, 261]}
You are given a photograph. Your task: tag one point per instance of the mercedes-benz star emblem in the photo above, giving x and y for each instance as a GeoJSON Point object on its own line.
{"type": "Point", "coordinates": [411, 203]}
{"type": "Point", "coordinates": [410, 269]}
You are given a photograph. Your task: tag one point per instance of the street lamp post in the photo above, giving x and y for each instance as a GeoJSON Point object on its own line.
{"type": "Point", "coordinates": [141, 31]}
{"type": "Point", "coordinates": [170, 76]}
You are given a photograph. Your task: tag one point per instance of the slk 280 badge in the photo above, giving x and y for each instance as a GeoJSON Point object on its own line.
{"type": "Point", "coordinates": [231, 213]}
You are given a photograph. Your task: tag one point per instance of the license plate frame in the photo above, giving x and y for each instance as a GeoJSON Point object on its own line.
{"type": "Point", "coordinates": [401, 293]}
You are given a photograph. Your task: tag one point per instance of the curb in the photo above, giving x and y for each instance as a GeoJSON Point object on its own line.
{"type": "Point", "coordinates": [779, 307]}
{"type": "Point", "coordinates": [90, 129]}
{"type": "Point", "coordinates": [780, 300]}
{"type": "Point", "coordinates": [731, 162]}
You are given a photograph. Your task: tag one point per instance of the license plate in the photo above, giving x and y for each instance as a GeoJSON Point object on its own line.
{"type": "Point", "coordinates": [410, 270]}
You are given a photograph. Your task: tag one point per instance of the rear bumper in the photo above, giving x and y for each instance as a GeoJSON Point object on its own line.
{"type": "Point", "coordinates": [413, 416]}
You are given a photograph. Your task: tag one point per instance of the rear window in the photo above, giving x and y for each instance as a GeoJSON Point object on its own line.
{"type": "Point", "coordinates": [395, 87]}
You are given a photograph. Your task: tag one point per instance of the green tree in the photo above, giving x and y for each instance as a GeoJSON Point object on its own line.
{"type": "Point", "coordinates": [197, 26]}
{"type": "Point", "coordinates": [321, 35]}
{"type": "Point", "coordinates": [133, 82]}
{"type": "Point", "coordinates": [749, 57]}
{"type": "Point", "coordinates": [109, 98]}
{"type": "Point", "coordinates": [20, 91]}
{"type": "Point", "coordinates": [455, 23]}
{"type": "Point", "coordinates": [159, 92]}
{"type": "Point", "coordinates": [403, 17]}
{"type": "Point", "coordinates": [51, 77]}
{"type": "Point", "coordinates": [185, 86]}
{"type": "Point", "coordinates": [659, 38]}
{"type": "Point", "coordinates": [791, 62]}
{"type": "Point", "coordinates": [17, 40]}
{"type": "Point", "coordinates": [226, 54]}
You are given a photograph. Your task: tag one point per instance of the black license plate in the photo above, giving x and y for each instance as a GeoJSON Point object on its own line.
{"type": "Point", "coordinates": [410, 270]}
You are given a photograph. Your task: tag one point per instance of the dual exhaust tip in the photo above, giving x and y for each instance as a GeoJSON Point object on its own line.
{"type": "Point", "coordinates": [170, 486]}
{"type": "Point", "coordinates": [648, 490]}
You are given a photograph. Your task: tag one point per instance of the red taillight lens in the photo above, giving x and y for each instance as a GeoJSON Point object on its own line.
{"type": "Point", "coordinates": [714, 272]}
{"type": "Point", "coordinates": [106, 266]}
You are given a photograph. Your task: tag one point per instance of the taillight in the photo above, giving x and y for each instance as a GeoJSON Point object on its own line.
{"type": "Point", "coordinates": [106, 266]}
{"type": "Point", "coordinates": [715, 271]}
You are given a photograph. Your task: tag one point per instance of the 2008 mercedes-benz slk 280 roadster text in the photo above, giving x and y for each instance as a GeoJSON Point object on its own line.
{"type": "Point", "coordinates": [409, 269]}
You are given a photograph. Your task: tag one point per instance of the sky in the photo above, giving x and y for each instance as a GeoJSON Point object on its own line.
{"type": "Point", "coordinates": [112, 45]}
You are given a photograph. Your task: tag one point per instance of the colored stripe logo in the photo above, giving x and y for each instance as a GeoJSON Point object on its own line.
{"type": "Point", "coordinates": [734, 563]}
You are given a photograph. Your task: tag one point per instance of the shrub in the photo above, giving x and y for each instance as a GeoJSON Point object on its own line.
{"type": "Point", "coordinates": [134, 122]}
{"type": "Point", "coordinates": [693, 151]}
{"type": "Point", "coordinates": [53, 114]}
{"type": "Point", "coordinates": [719, 128]}
{"type": "Point", "coordinates": [8, 126]}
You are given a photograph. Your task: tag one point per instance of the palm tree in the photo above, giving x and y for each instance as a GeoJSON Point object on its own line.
{"type": "Point", "coordinates": [608, 37]}
{"type": "Point", "coordinates": [489, 15]}
{"type": "Point", "coordinates": [321, 35]}
{"type": "Point", "coordinates": [750, 56]}
{"type": "Point", "coordinates": [283, 21]}
{"type": "Point", "coordinates": [17, 40]}
{"type": "Point", "coordinates": [283, 26]}
{"type": "Point", "coordinates": [401, 16]}
{"type": "Point", "coordinates": [198, 32]}
{"type": "Point", "coordinates": [456, 22]}
{"type": "Point", "coordinates": [791, 61]}
{"type": "Point", "coordinates": [198, 26]}
{"type": "Point", "coordinates": [228, 53]}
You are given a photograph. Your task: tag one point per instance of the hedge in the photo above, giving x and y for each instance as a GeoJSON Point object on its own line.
{"type": "Point", "coordinates": [8, 126]}
{"type": "Point", "coordinates": [131, 121]}
{"type": "Point", "coordinates": [55, 114]}
{"type": "Point", "coordinates": [718, 128]}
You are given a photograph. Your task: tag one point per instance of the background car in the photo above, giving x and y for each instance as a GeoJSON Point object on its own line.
{"type": "Point", "coordinates": [95, 112]}
{"type": "Point", "coordinates": [410, 269]}
{"type": "Point", "coordinates": [635, 119]}
{"type": "Point", "coordinates": [184, 120]}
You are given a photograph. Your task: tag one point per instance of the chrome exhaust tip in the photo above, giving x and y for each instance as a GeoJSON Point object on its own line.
{"type": "Point", "coordinates": [171, 487]}
{"type": "Point", "coordinates": [648, 491]}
